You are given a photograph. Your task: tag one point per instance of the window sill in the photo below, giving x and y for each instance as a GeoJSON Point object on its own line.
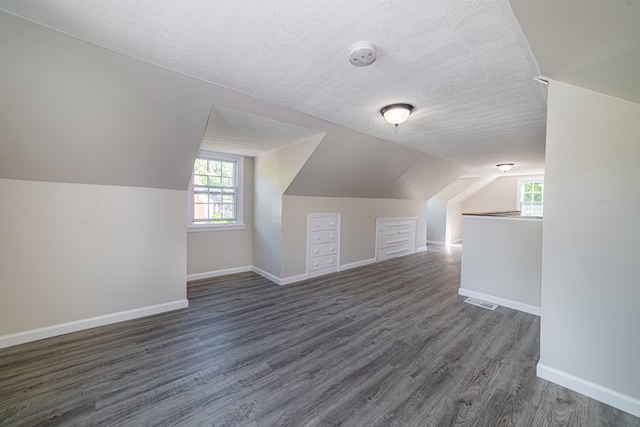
{"type": "Point", "coordinates": [220, 227]}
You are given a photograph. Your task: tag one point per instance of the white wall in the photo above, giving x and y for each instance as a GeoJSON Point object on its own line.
{"type": "Point", "coordinates": [213, 251]}
{"type": "Point", "coordinates": [70, 252]}
{"type": "Point", "coordinates": [436, 220]}
{"type": "Point", "coordinates": [358, 226]}
{"type": "Point", "coordinates": [273, 173]}
{"type": "Point", "coordinates": [590, 339]}
{"type": "Point", "coordinates": [453, 230]}
{"type": "Point", "coordinates": [501, 261]}
{"type": "Point", "coordinates": [500, 195]}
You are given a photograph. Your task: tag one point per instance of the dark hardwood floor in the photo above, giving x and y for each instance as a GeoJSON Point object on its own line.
{"type": "Point", "coordinates": [391, 344]}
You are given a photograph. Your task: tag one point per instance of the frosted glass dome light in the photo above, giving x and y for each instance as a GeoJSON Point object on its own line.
{"type": "Point", "coordinates": [396, 114]}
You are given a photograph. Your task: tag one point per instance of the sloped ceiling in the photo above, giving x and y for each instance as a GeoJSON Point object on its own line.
{"type": "Point", "coordinates": [238, 132]}
{"type": "Point", "coordinates": [465, 65]}
{"type": "Point", "coordinates": [589, 43]}
{"type": "Point", "coordinates": [350, 164]}
{"type": "Point", "coordinates": [74, 112]}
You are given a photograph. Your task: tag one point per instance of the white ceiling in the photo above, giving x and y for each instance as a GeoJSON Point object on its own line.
{"type": "Point", "coordinates": [465, 65]}
{"type": "Point", "coordinates": [239, 132]}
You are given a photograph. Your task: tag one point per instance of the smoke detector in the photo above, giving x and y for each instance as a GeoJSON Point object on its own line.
{"type": "Point", "coordinates": [362, 54]}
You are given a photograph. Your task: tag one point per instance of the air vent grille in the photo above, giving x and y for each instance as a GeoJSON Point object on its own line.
{"type": "Point", "coordinates": [480, 303]}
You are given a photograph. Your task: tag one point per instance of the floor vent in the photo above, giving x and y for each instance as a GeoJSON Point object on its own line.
{"type": "Point", "coordinates": [480, 303]}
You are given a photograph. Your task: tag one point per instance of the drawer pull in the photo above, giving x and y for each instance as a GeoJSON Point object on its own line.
{"type": "Point", "coordinates": [398, 240]}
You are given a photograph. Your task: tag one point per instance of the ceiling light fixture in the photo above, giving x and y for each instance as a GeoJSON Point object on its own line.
{"type": "Point", "coordinates": [504, 166]}
{"type": "Point", "coordinates": [396, 114]}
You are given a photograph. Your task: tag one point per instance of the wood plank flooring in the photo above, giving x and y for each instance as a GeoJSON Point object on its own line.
{"type": "Point", "coordinates": [391, 344]}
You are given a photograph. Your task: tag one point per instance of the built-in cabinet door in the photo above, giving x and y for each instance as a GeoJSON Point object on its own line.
{"type": "Point", "coordinates": [323, 243]}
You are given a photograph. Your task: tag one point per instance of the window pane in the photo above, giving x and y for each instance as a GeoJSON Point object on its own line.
{"type": "Point", "coordinates": [537, 197]}
{"type": "Point", "coordinates": [528, 197]}
{"type": "Point", "coordinates": [214, 167]}
{"type": "Point", "coordinates": [537, 186]}
{"type": "Point", "coordinates": [214, 191]}
{"type": "Point", "coordinates": [528, 186]}
{"type": "Point", "coordinates": [200, 167]}
{"type": "Point", "coordinates": [199, 180]}
{"type": "Point", "coordinates": [228, 169]}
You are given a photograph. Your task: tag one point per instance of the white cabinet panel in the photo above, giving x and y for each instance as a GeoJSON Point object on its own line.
{"type": "Point", "coordinates": [323, 243]}
{"type": "Point", "coordinates": [323, 262]}
{"type": "Point", "coordinates": [323, 236]}
{"type": "Point", "coordinates": [324, 223]}
{"type": "Point", "coordinates": [323, 249]}
{"type": "Point", "coordinates": [395, 237]}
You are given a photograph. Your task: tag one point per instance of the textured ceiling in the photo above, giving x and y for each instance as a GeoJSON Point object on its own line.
{"type": "Point", "coordinates": [465, 65]}
{"type": "Point", "coordinates": [238, 132]}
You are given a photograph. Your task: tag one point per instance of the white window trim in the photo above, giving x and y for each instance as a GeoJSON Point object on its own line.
{"type": "Point", "coordinates": [521, 182]}
{"type": "Point", "coordinates": [239, 224]}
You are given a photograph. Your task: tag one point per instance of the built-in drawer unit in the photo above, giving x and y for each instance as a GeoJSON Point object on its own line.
{"type": "Point", "coordinates": [395, 237]}
{"type": "Point", "coordinates": [323, 243]}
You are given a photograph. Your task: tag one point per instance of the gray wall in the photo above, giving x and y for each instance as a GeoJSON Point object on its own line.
{"type": "Point", "coordinates": [590, 280]}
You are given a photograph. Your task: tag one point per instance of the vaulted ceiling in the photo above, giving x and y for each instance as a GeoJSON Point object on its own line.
{"type": "Point", "coordinates": [464, 65]}
{"type": "Point", "coordinates": [467, 66]}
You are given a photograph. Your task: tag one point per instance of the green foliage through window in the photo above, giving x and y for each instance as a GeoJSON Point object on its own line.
{"type": "Point", "coordinates": [532, 198]}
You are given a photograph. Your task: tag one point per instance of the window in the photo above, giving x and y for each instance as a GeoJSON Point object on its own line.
{"type": "Point", "coordinates": [531, 196]}
{"type": "Point", "coordinates": [215, 191]}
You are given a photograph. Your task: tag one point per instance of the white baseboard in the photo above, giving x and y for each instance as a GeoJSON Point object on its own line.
{"type": "Point", "coordinates": [527, 308]}
{"type": "Point", "coordinates": [217, 273]}
{"type": "Point", "coordinates": [603, 394]}
{"type": "Point", "coordinates": [92, 322]}
{"type": "Point", "coordinates": [275, 279]}
{"type": "Point", "coordinates": [439, 243]}
{"type": "Point", "coordinates": [421, 249]}
{"type": "Point", "coordinates": [278, 280]}
{"type": "Point", "coordinates": [357, 264]}
{"type": "Point", "coordinates": [293, 279]}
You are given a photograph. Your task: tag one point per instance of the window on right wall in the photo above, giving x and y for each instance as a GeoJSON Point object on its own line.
{"type": "Point", "coordinates": [531, 196]}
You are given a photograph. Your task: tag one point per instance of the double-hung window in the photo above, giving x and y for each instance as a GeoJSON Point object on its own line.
{"type": "Point", "coordinates": [531, 196]}
{"type": "Point", "coordinates": [215, 192]}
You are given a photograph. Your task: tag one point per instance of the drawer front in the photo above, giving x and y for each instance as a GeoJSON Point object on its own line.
{"type": "Point", "coordinates": [323, 249]}
{"type": "Point", "coordinates": [396, 251]}
{"type": "Point", "coordinates": [396, 225]}
{"type": "Point", "coordinates": [398, 239]}
{"type": "Point", "coordinates": [406, 229]}
{"type": "Point", "coordinates": [323, 262]}
{"type": "Point", "coordinates": [322, 223]}
{"type": "Point", "coordinates": [323, 236]}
